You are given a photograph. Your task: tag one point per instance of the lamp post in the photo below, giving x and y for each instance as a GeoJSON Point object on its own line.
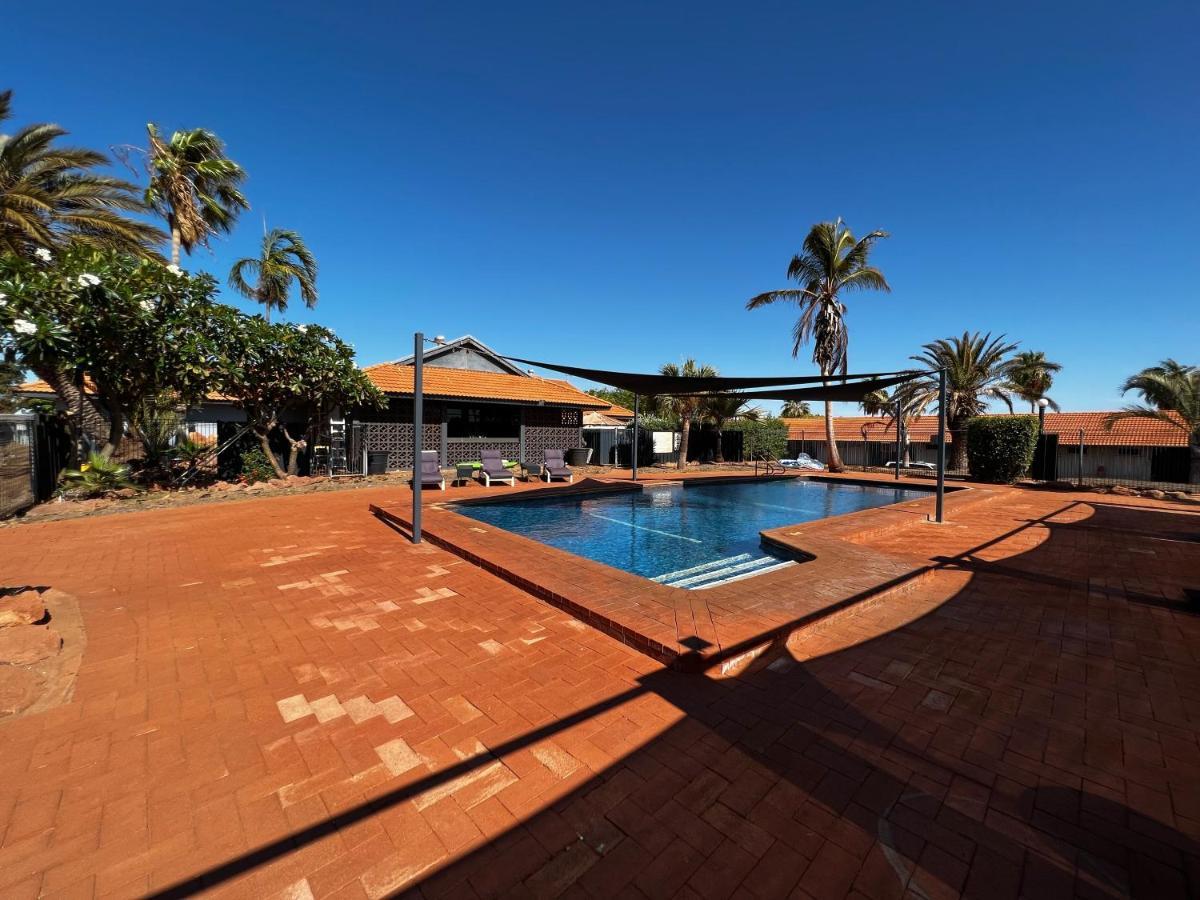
{"type": "Point", "coordinates": [1042, 404]}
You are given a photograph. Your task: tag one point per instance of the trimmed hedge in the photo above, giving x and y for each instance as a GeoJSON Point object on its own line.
{"type": "Point", "coordinates": [1000, 448]}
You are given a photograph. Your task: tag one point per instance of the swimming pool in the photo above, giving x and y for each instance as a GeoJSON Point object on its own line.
{"type": "Point", "coordinates": [691, 537]}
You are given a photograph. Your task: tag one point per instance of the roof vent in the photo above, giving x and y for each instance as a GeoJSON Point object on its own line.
{"type": "Point", "coordinates": [439, 339]}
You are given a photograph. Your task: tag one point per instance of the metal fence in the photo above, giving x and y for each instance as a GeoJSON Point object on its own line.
{"type": "Point", "coordinates": [1059, 457]}
{"type": "Point", "coordinates": [18, 463]}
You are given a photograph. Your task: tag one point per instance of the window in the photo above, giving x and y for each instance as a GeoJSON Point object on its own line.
{"type": "Point", "coordinates": [483, 421]}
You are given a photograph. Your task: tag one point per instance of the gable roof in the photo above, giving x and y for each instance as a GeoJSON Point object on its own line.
{"type": "Point", "coordinates": [617, 411]}
{"type": "Point", "coordinates": [1125, 433]}
{"type": "Point", "coordinates": [469, 384]}
{"type": "Point", "coordinates": [466, 342]}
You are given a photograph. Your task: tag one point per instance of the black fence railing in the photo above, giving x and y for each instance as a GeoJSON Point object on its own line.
{"type": "Point", "coordinates": [1075, 458]}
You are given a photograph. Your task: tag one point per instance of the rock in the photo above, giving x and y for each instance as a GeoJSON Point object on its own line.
{"type": "Point", "coordinates": [24, 608]}
{"type": "Point", "coordinates": [1154, 494]}
{"type": "Point", "coordinates": [278, 482]}
{"type": "Point", "coordinates": [18, 689]}
{"type": "Point", "coordinates": [1062, 485]}
{"type": "Point", "coordinates": [1122, 490]}
{"type": "Point", "coordinates": [28, 644]}
{"type": "Point", "coordinates": [123, 493]}
{"type": "Point", "coordinates": [257, 487]}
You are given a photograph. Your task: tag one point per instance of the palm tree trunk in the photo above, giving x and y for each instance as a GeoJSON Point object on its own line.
{"type": "Point", "coordinates": [176, 241]}
{"type": "Point", "coordinates": [719, 455]}
{"type": "Point", "coordinates": [685, 427]}
{"type": "Point", "coordinates": [958, 458]}
{"type": "Point", "coordinates": [834, 460]}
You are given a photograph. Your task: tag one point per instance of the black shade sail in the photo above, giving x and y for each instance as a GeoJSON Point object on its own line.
{"type": "Point", "coordinates": [850, 392]}
{"type": "Point", "coordinates": [653, 384]}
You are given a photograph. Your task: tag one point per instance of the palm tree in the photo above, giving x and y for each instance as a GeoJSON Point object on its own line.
{"type": "Point", "coordinates": [194, 186]}
{"type": "Point", "coordinates": [1031, 376]}
{"type": "Point", "coordinates": [880, 403]}
{"type": "Point", "coordinates": [976, 371]}
{"type": "Point", "coordinates": [685, 408]}
{"type": "Point", "coordinates": [51, 195]}
{"type": "Point", "coordinates": [1171, 392]}
{"type": "Point", "coordinates": [831, 262]}
{"type": "Point", "coordinates": [284, 258]}
{"type": "Point", "coordinates": [722, 408]}
{"type": "Point", "coordinates": [796, 409]}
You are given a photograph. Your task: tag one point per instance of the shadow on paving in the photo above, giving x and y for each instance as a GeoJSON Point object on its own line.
{"type": "Point", "coordinates": [974, 750]}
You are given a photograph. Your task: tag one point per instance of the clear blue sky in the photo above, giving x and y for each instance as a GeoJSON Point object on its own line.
{"type": "Point", "coordinates": [608, 185]}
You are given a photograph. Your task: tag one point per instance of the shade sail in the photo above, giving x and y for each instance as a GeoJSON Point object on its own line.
{"type": "Point", "coordinates": [839, 392]}
{"type": "Point", "coordinates": [648, 384]}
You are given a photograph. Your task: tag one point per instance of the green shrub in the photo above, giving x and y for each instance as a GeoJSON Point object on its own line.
{"type": "Point", "coordinates": [768, 435]}
{"type": "Point", "coordinates": [1000, 448]}
{"type": "Point", "coordinates": [96, 476]}
{"type": "Point", "coordinates": [256, 466]}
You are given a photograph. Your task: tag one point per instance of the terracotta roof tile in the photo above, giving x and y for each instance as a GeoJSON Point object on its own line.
{"type": "Point", "coordinates": [440, 381]}
{"type": "Point", "coordinates": [1127, 432]}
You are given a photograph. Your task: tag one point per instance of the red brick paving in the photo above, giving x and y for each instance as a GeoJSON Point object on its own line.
{"type": "Point", "coordinates": [992, 731]}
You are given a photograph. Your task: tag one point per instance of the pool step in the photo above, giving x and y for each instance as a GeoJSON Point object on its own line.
{"type": "Point", "coordinates": [670, 577]}
{"type": "Point", "coordinates": [722, 571]}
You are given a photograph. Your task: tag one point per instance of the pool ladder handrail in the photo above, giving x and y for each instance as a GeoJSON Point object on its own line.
{"type": "Point", "coordinates": [771, 465]}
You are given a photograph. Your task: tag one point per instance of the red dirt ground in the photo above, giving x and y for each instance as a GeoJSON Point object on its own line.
{"type": "Point", "coordinates": [282, 697]}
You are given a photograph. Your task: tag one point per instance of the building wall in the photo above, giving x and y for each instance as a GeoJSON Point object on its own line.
{"type": "Point", "coordinates": [464, 358]}
{"type": "Point", "coordinates": [542, 428]}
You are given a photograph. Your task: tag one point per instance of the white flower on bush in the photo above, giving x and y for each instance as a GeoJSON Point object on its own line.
{"type": "Point", "coordinates": [147, 305]}
{"type": "Point", "coordinates": [43, 254]}
{"type": "Point", "coordinates": [24, 326]}
{"type": "Point", "coordinates": [174, 269]}
{"type": "Point", "coordinates": [88, 280]}
{"type": "Point", "coordinates": [302, 328]}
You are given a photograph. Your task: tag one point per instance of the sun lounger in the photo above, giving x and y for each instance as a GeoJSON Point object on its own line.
{"type": "Point", "coordinates": [492, 469]}
{"type": "Point", "coordinates": [430, 472]}
{"type": "Point", "coordinates": [555, 467]}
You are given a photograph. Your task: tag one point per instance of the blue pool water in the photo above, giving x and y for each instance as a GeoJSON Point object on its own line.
{"type": "Point", "coordinates": [693, 537]}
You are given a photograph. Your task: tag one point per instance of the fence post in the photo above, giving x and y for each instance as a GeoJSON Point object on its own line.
{"type": "Point", "coordinates": [1080, 481]}
{"type": "Point", "coordinates": [941, 448]}
{"type": "Point", "coordinates": [418, 426]}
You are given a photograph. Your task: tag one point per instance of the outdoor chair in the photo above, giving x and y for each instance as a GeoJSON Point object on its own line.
{"type": "Point", "coordinates": [555, 467]}
{"type": "Point", "coordinates": [430, 472]}
{"type": "Point", "coordinates": [492, 469]}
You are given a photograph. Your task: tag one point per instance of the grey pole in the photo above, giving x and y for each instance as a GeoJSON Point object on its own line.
{"type": "Point", "coordinates": [941, 450]}
{"type": "Point", "coordinates": [899, 437]}
{"type": "Point", "coordinates": [418, 427]}
{"type": "Point", "coordinates": [1080, 457]}
{"type": "Point", "coordinates": [636, 399]}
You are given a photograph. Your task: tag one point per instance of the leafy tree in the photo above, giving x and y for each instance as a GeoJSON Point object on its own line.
{"type": "Point", "coordinates": [1171, 394]}
{"type": "Point", "coordinates": [831, 263]}
{"type": "Point", "coordinates": [685, 408]}
{"type": "Point", "coordinates": [194, 186]}
{"type": "Point", "coordinates": [1031, 376]}
{"type": "Point", "coordinates": [284, 259]}
{"type": "Point", "coordinates": [796, 409]}
{"type": "Point", "coordinates": [977, 370]}
{"type": "Point", "coordinates": [136, 327]}
{"type": "Point", "coordinates": [273, 372]}
{"type": "Point", "coordinates": [51, 195]}
{"type": "Point", "coordinates": [724, 408]}
{"type": "Point", "coordinates": [10, 378]}
{"type": "Point", "coordinates": [647, 405]}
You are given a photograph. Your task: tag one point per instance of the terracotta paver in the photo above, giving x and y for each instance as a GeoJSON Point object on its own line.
{"type": "Point", "coordinates": [281, 697]}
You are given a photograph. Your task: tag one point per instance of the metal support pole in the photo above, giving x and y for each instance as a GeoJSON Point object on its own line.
{"type": "Point", "coordinates": [899, 439]}
{"type": "Point", "coordinates": [636, 399]}
{"type": "Point", "coordinates": [418, 428]}
{"type": "Point", "coordinates": [1042, 440]}
{"type": "Point", "coordinates": [1080, 482]}
{"type": "Point", "coordinates": [941, 450]}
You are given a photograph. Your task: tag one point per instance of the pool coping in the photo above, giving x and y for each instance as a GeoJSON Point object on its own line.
{"type": "Point", "coordinates": [698, 630]}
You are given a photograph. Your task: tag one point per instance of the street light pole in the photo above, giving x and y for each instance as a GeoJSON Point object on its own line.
{"type": "Point", "coordinates": [941, 448]}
